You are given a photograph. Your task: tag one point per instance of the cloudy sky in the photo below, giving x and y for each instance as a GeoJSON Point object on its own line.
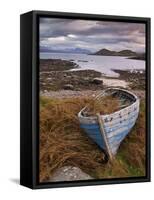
{"type": "Point", "coordinates": [61, 34]}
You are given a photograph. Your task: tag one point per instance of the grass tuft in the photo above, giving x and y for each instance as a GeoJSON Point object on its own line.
{"type": "Point", "coordinates": [62, 143]}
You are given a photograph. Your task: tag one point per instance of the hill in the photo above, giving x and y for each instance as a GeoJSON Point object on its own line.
{"type": "Point", "coordinates": [106, 52]}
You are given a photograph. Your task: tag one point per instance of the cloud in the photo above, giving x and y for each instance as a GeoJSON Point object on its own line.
{"type": "Point", "coordinates": [92, 35]}
{"type": "Point", "coordinates": [71, 36]}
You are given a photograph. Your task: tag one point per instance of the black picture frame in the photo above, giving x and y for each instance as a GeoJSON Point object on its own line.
{"type": "Point", "coordinates": [29, 99]}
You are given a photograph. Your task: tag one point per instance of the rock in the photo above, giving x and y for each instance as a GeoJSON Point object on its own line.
{"type": "Point", "coordinates": [68, 87]}
{"type": "Point", "coordinates": [74, 77]}
{"type": "Point", "coordinates": [97, 81]}
{"type": "Point", "coordinates": [69, 173]}
{"type": "Point", "coordinates": [49, 79]}
{"type": "Point", "coordinates": [68, 76]}
{"type": "Point", "coordinates": [86, 78]}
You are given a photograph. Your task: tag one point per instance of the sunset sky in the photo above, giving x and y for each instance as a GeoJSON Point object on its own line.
{"type": "Point", "coordinates": [64, 34]}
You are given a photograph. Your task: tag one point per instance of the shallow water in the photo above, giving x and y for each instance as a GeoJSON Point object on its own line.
{"type": "Point", "coordinates": [103, 64]}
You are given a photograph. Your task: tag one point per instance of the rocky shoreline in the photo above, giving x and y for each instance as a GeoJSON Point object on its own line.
{"type": "Point", "coordinates": [47, 65]}
{"type": "Point", "coordinates": [81, 94]}
{"type": "Point", "coordinates": [75, 80]}
{"type": "Point", "coordinates": [136, 78]}
{"type": "Point", "coordinates": [56, 75]}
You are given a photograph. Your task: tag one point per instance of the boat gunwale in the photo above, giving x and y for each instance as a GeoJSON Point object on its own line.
{"type": "Point", "coordinates": [107, 115]}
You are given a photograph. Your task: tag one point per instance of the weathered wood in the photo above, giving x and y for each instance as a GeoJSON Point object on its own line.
{"type": "Point", "coordinates": [102, 130]}
{"type": "Point", "coordinates": [109, 130]}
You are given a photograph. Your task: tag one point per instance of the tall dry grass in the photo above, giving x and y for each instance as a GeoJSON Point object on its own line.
{"type": "Point", "coordinates": [105, 105]}
{"type": "Point", "coordinates": [62, 143]}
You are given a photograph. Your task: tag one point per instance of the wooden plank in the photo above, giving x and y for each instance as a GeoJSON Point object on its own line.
{"type": "Point", "coordinates": [102, 130]}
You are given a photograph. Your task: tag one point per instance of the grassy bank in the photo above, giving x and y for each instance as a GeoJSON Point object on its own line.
{"type": "Point", "coordinates": [62, 143]}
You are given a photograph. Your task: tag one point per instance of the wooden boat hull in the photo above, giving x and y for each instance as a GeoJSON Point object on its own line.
{"type": "Point", "coordinates": [116, 129]}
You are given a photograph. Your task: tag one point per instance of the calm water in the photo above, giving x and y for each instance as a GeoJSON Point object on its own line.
{"type": "Point", "coordinates": [103, 64]}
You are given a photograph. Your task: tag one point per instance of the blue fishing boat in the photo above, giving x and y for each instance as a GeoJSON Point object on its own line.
{"type": "Point", "coordinates": [109, 130]}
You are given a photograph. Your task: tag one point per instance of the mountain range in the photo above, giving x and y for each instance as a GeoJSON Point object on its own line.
{"type": "Point", "coordinates": [106, 52]}
{"type": "Point", "coordinates": [66, 50]}
{"type": "Point", "coordinates": [102, 52]}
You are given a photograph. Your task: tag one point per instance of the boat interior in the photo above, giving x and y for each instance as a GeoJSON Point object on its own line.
{"type": "Point", "coordinates": [123, 98]}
